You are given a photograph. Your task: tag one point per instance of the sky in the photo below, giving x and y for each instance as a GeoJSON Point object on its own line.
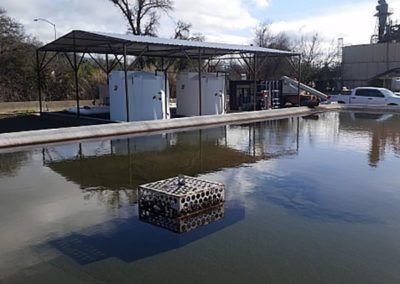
{"type": "Point", "coordinates": [229, 21]}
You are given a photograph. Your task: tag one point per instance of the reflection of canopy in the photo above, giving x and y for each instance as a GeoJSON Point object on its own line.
{"type": "Point", "coordinates": [129, 171]}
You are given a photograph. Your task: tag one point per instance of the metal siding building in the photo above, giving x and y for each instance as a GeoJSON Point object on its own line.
{"type": "Point", "coordinates": [363, 63]}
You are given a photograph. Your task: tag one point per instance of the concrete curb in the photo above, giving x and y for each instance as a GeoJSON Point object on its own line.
{"type": "Point", "coordinates": [361, 108]}
{"type": "Point", "coordinates": [28, 138]}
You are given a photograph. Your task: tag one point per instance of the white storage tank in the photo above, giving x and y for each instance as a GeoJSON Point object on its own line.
{"type": "Point", "coordinates": [147, 97]}
{"type": "Point", "coordinates": [212, 94]}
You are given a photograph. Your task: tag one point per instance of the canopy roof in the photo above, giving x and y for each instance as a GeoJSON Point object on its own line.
{"type": "Point", "coordinates": [389, 74]}
{"type": "Point", "coordinates": [109, 43]}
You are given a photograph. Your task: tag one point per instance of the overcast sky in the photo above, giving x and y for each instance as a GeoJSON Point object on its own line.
{"type": "Point", "coordinates": [231, 21]}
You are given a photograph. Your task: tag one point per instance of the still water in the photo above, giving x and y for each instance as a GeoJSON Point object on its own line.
{"type": "Point", "coordinates": [308, 200]}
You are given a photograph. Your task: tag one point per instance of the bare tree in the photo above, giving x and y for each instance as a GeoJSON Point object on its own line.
{"type": "Point", "coordinates": [143, 15]}
{"type": "Point", "coordinates": [318, 58]}
{"type": "Point", "coordinates": [264, 37]}
{"type": "Point", "coordinates": [183, 31]}
{"type": "Point", "coordinates": [272, 68]}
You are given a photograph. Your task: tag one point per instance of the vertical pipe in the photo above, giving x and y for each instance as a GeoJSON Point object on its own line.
{"type": "Point", "coordinates": [200, 71]}
{"type": "Point", "coordinates": [255, 81]}
{"type": "Point", "coordinates": [126, 85]}
{"type": "Point", "coordinates": [76, 78]}
{"type": "Point", "coordinates": [43, 157]}
{"type": "Point", "coordinates": [299, 82]}
{"type": "Point", "coordinates": [39, 82]}
{"type": "Point", "coordinates": [129, 160]}
{"type": "Point", "coordinates": [80, 151]}
{"type": "Point", "coordinates": [201, 150]}
{"type": "Point", "coordinates": [165, 88]}
{"type": "Point", "coordinates": [254, 140]}
{"type": "Point", "coordinates": [250, 143]}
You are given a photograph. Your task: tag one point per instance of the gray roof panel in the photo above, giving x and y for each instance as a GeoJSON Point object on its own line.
{"type": "Point", "coordinates": [110, 43]}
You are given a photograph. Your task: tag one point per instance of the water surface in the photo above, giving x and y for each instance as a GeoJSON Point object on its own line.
{"type": "Point", "coordinates": [308, 200]}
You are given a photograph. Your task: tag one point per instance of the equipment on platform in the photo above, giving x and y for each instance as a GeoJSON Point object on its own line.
{"type": "Point", "coordinates": [386, 31]}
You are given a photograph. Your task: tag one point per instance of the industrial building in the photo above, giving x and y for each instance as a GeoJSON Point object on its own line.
{"type": "Point", "coordinates": [371, 64]}
{"type": "Point", "coordinates": [377, 63]}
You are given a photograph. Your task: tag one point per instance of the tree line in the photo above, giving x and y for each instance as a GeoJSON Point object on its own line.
{"type": "Point", "coordinates": [18, 75]}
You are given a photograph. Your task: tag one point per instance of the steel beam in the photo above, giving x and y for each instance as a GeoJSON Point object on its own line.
{"type": "Point", "coordinates": [299, 81]}
{"type": "Point", "coordinates": [76, 79]}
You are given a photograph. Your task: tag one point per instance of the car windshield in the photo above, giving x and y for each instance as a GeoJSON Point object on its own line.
{"type": "Point", "coordinates": [389, 93]}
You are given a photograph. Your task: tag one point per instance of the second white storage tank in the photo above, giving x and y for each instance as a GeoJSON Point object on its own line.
{"type": "Point", "coordinates": [212, 94]}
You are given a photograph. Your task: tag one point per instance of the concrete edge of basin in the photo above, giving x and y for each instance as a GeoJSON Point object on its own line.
{"type": "Point", "coordinates": [49, 136]}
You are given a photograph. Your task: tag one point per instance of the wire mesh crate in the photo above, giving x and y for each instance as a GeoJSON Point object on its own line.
{"type": "Point", "coordinates": [179, 196]}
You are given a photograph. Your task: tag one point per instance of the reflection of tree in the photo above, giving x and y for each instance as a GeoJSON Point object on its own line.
{"type": "Point", "coordinates": [11, 162]}
{"type": "Point", "coordinates": [378, 146]}
{"type": "Point", "coordinates": [113, 178]}
{"type": "Point", "coordinates": [275, 138]}
{"type": "Point", "coordinates": [384, 130]}
{"type": "Point", "coordinates": [112, 198]}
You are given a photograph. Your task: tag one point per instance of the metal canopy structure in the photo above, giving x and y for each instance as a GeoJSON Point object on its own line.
{"type": "Point", "coordinates": [122, 45]}
{"type": "Point", "coordinates": [109, 43]}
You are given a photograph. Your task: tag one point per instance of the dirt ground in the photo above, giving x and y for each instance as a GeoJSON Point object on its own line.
{"type": "Point", "coordinates": [27, 107]}
{"type": "Point", "coordinates": [27, 122]}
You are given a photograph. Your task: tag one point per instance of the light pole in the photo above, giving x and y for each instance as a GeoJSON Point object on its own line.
{"type": "Point", "coordinates": [47, 21]}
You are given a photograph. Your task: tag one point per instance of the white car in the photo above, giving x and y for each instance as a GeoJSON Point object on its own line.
{"type": "Point", "coordinates": [367, 96]}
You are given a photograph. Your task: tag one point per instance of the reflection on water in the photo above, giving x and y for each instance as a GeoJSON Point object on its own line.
{"type": "Point", "coordinates": [183, 224]}
{"type": "Point", "coordinates": [11, 162]}
{"type": "Point", "coordinates": [310, 200]}
{"type": "Point", "coordinates": [124, 164]}
{"type": "Point", "coordinates": [131, 239]}
{"type": "Point", "coordinates": [383, 130]}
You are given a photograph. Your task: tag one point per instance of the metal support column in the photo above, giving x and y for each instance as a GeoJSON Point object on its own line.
{"type": "Point", "coordinates": [255, 81]}
{"type": "Point", "coordinates": [108, 70]}
{"type": "Point", "coordinates": [200, 87]}
{"type": "Point", "coordinates": [299, 82]}
{"type": "Point", "coordinates": [126, 85]}
{"type": "Point", "coordinates": [39, 82]}
{"type": "Point", "coordinates": [76, 78]}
